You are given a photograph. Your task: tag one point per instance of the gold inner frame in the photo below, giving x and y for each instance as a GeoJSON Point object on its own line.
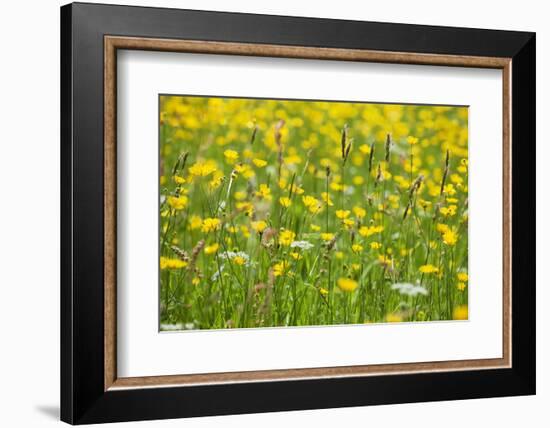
{"type": "Point", "coordinates": [113, 43]}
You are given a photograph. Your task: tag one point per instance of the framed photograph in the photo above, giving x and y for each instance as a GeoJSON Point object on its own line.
{"type": "Point", "coordinates": [265, 213]}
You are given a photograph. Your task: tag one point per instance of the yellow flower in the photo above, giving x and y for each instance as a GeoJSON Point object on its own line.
{"type": "Point", "coordinates": [315, 228]}
{"type": "Point", "coordinates": [239, 260]}
{"type": "Point", "coordinates": [286, 237]}
{"type": "Point", "coordinates": [210, 224]}
{"type": "Point", "coordinates": [348, 223]}
{"type": "Point", "coordinates": [309, 201]}
{"type": "Point", "coordinates": [428, 269]}
{"type": "Point", "coordinates": [195, 222]}
{"type": "Point", "coordinates": [461, 286]}
{"type": "Point", "coordinates": [245, 231]}
{"type": "Point", "coordinates": [364, 148]}
{"type": "Point", "coordinates": [216, 181]}
{"type": "Point", "coordinates": [342, 214]}
{"type": "Point", "coordinates": [462, 276]}
{"type": "Point", "coordinates": [202, 168]}
{"type": "Point", "coordinates": [280, 268]}
{"type": "Point", "coordinates": [356, 248]}
{"type": "Point", "coordinates": [442, 228]}
{"type": "Point", "coordinates": [260, 163]}
{"type": "Point", "coordinates": [359, 212]}
{"type": "Point", "coordinates": [285, 201]}
{"type": "Point", "coordinates": [327, 236]}
{"type": "Point", "coordinates": [196, 281]}
{"type": "Point", "coordinates": [239, 195]}
{"type": "Point", "coordinates": [365, 231]}
{"type": "Point", "coordinates": [325, 197]}
{"type": "Point", "coordinates": [167, 263]}
{"type": "Point", "coordinates": [247, 207]}
{"type": "Point", "coordinates": [323, 291]}
{"type": "Point", "coordinates": [448, 211]}
{"type": "Point", "coordinates": [460, 312]}
{"type": "Point", "coordinates": [178, 202]}
{"type": "Point", "coordinates": [231, 156]}
{"type": "Point", "coordinates": [375, 245]}
{"type": "Point", "coordinates": [211, 249]}
{"type": "Point", "coordinates": [394, 318]}
{"type": "Point", "coordinates": [347, 284]}
{"type": "Point", "coordinates": [245, 170]}
{"type": "Point", "coordinates": [179, 180]}
{"type": "Point", "coordinates": [264, 192]}
{"type": "Point", "coordinates": [412, 140]}
{"type": "Point", "coordinates": [295, 255]}
{"type": "Point", "coordinates": [259, 226]}
{"type": "Point", "coordinates": [450, 238]}
{"type": "Point", "coordinates": [358, 180]}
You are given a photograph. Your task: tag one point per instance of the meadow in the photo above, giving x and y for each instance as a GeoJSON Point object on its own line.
{"type": "Point", "coordinates": [297, 213]}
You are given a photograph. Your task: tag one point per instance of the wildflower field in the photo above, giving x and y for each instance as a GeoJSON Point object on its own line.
{"type": "Point", "coordinates": [297, 213]}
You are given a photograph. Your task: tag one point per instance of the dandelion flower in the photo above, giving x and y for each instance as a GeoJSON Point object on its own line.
{"type": "Point", "coordinates": [365, 231]}
{"type": "Point", "coordinates": [239, 260]}
{"type": "Point", "coordinates": [239, 195]}
{"type": "Point", "coordinates": [449, 211]}
{"type": "Point", "coordinates": [202, 168]}
{"type": "Point", "coordinates": [280, 268]}
{"type": "Point", "coordinates": [394, 318]}
{"type": "Point", "coordinates": [428, 269]}
{"type": "Point", "coordinates": [179, 180]}
{"type": "Point", "coordinates": [286, 237]}
{"type": "Point", "coordinates": [412, 140]}
{"type": "Point", "coordinates": [359, 212]}
{"type": "Point", "coordinates": [442, 228]}
{"type": "Point", "coordinates": [285, 201]}
{"type": "Point", "coordinates": [259, 226]}
{"type": "Point", "coordinates": [365, 149]}
{"type": "Point", "coordinates": [356, 248]}
{"type": "Point", "coordinates": [210, 224]}
{"type": "Point", "coordinates": [231, 156]}
{"type": "Point", "coordinates": [462, 276]}
{"type": "Point", "coordinates": [309, 201]}
{"type": "Point", "coordinates": [167, 263]}
{"type": "Point", "coordinates": [211, 249]}
{"type": "Point", "coordinates": [375, 245]}
{"type": "Point", "coordinates": [342, 214]}
{"type": "Point", "coordinates": [461, 286]}
{"type": "Point", "coordinates": [450, 238]}
{"type": "Point", "coordinates": [195, 222]}
{"type": "Point", "coordinates": [347, 284]}
{"type": "Point", "coordinates": [260, 163]}
{"type": "Point", "coordinates": [264, 192]}
{"type": "Point", "coordinates": [325, 197]}
{"type": "Point", "coordinates": [460, 312]}
{"type": "Point", "coordinates": [327, 236]}
{"type": "Point", "coordinates": [178, 202]}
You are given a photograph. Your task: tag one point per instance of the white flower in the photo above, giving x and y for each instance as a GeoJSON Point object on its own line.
{"type": "Point", "coordinates": [217, 273]}
{"type": "Point", "coordinates": [229, 255]}
{"type": "Point", "coordinates": [303, 245]}
{"type": "Point", "coordinates": [409, 289]}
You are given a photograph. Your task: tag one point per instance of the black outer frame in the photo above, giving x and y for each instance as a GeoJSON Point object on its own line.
{"type": "Point", "coordinates": [83, 399]}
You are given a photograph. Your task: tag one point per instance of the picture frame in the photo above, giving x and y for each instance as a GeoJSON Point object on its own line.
{"type": "Point", "coordinates": [91, 390]}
